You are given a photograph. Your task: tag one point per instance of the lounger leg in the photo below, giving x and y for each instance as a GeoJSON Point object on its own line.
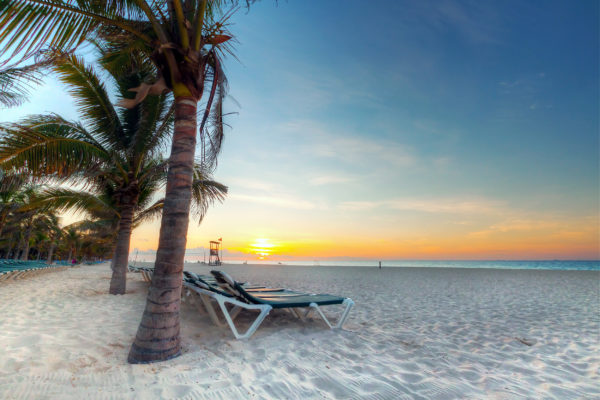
{"type": "Point", "coordinates": [347, 302]}
{"type": "Point", "coordinates": [297, 314]}
{"type": "Point", "coordinates": [234, 312]}
{"type": "Point", "coordinates": [264, 311]}
{"type": "Point", "coordinates": [211, 311]}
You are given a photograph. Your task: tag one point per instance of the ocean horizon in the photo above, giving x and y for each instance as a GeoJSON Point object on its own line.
{"type": "Point", "coordinates": [558, 265]}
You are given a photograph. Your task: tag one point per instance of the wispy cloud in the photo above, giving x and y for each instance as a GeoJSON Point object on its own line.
{"type": "Point", "coordinates": [252, 184]}
{"type": "Point", "coordinates": [349, 147]}
{"type": "Point", "coordinates": [330, 179]}
{"type": "Point", "coordinates": [366, 148]}
{"type": "Point", "coordinates": [277, 201]}
{"type": "Point", "coordinates": [476, 22]}
{"type": "Point", "coordinates": [513, 225]}
{"type": "Point", "coordinates": [448, 206]}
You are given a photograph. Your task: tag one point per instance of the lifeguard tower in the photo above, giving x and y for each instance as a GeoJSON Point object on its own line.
{"type": "Point", "coordinates": [214, 258]}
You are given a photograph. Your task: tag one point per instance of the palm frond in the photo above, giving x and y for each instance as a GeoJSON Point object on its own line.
{"type": "Point", "coordinates": [163, 131]}
{"type": "Point", "coordinates": [149, 213]}
{"type": "Point", "coordinates": [32, 25]}
{"type": "Point", "coordinates": [15, 83]}
{"type": "Point", "coordinates": [48, 145]}
{"type": "Point", "coordinates": [211, 125]}
{"type": "Point", "coordinates": [62, 199]}
{"type": "Point", "coordinates": [12, 182]}
{"type": "Point", "coordinates": [205, 192]}
{"type": "Point", "coordinates": [91, 99]}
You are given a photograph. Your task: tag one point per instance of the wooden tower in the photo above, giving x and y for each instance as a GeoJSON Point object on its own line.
{"type": "Point", "coordinates": [214, 258]}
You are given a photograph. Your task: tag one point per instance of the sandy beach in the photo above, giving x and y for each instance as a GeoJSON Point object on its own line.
{"type": "Point", "coordinates": [414, 333]}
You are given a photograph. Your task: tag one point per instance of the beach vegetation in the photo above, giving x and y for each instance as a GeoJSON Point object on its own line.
{"type": "Point", "coordinates": [184, 41]}
{"type": "Point", "coordinates": [111, 160]}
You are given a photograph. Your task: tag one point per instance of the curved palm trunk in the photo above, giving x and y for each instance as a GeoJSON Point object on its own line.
{"type": "Point", "coordinates": [118, 281]}
{"type": "Point", "coordinates": [158, 336]}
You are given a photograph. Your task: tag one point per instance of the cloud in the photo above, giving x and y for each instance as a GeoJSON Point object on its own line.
{"type": "Point", "coordinates": [476, 22]}
{"type": "Point", "coordinates": [349, 147]}
{"type": "Point", "coordinates": [447, 206]}
{"type": "Point", "coordinates": [359, 205]}
{"type": "Point", "coordinates": [252, 184]}
{"type": "Point", "coordinates": [277, 201]}
{"type": "Point", "coordinates": [360, 149]}
{"type": "Point", "coordinates": [329, 179]}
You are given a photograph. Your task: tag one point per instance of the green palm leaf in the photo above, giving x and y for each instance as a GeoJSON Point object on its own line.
{"type": "Point", "coordinates": [15, 83]}
{"type": "Point", "coordinates": [48, 145]}
{"type": "Point", "coordinates": [62, 199]}
{"type": "Point", "coordinates": [205, 192]}
{"type": "Point", "coordinates": [91, 99]}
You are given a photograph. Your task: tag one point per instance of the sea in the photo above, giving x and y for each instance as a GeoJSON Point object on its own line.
{"type": "Point", "coordinates": [559, 265]}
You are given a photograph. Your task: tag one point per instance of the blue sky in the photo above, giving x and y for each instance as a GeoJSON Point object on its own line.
{"type": "Point", "coordinates": [442, 129]}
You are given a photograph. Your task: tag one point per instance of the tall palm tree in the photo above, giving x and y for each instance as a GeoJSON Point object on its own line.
{"type": "Point", "coordinates": [184, 40]}
{"type": "Point", "coordinates": [117, 152]}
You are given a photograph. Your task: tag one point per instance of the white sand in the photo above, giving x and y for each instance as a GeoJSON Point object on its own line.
{"type": "Point", "coordinates": [414, 333]}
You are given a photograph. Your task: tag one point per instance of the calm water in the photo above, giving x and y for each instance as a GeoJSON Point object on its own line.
{"type": "Point", "coordinates": [585, 265]}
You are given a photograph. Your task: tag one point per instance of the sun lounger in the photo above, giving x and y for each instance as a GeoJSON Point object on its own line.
{"type": "Point", "coordinates": [212, 293]}
{"type": "Point", "coordinates": [262, 299]}
{"type": "Point", "coordinates": [18, 269]}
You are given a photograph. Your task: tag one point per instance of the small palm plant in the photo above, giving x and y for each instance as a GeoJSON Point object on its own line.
{"type": "Point", "coordinates": [114, 153]}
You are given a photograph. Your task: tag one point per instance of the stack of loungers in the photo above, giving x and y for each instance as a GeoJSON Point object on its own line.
{"type": "Point", "coordinates": [17, 269]}
{"type": "Point", "coordinates": [220, 291]}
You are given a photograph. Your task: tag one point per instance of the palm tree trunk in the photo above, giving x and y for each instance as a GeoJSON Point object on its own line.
{"type": "Point", "coordinates": [50, 253]}
{"type": "Point", "coordinates": [20, 245]}
{"type": "Point", "coordinates": [70, 255]}
{"type": "Point", "coordinates": [118, 281]}
{"type": "Point", "coordinates": [2, 220]}
{"type": "Point", "coordinates": [25, 253]}
{"type": "Point", "coordinates": [158, 336]}
{"type": "Point", "coordinates": [11, 243]}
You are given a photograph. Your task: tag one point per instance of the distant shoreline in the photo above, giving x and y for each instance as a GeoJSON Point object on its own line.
{"type": "Point", "coordinates": [546, 265]}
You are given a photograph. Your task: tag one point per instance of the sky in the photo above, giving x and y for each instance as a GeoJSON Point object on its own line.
{"type": "Point", "coordinates": [403, 130]}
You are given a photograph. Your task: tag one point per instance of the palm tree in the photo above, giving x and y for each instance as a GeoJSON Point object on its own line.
{"type": "Point", "coordinates": [12, 195]}
{"type": "Point", "coordinates": [120, 166]}
{"type": "Point", "coordinates": [184, 40]}
{"type": "Point", "coordinates": [54, 235]}
{"type": "Point", "coordinates": [18, 198]}
{"type": "Point", "coordinates": [71, 238]}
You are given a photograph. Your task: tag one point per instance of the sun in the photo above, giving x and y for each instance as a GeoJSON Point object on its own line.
{"type": "Point", "coordinates": [262, 247]}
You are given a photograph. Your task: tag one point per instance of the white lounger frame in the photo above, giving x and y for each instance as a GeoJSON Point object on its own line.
{"type": "Point", "coordinates": [231, 314]}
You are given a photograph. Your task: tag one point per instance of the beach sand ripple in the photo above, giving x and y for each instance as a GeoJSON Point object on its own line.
{"type": "Point", "coordinates": [413, 334]}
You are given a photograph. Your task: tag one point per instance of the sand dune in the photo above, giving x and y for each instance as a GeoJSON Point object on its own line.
{"type": "Point", "coordinates": [414, 333]}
